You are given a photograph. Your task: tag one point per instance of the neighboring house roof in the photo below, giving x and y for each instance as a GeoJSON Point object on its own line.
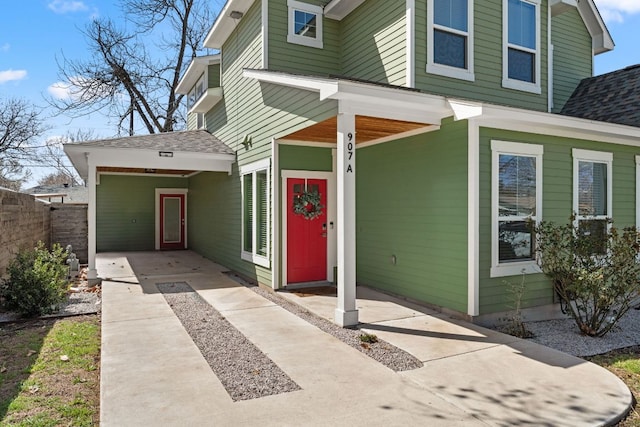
{"type": "Point", "coordinates": [193, 149]}
{"type": "Point", "coordinates": [337, 9]}
{"type": "Point", "coordinates": [65, 194]}
{"type": "Point", "coordinates": [612, 97]}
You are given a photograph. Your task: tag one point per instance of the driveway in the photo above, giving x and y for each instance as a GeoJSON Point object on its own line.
{"type": "Point", "coordinates": [153, 373]}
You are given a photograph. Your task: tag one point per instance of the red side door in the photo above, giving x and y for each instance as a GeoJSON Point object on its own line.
{"type": "Point", "coordinates": [172, 224]}
{"type": "Point", "coordinates": [306, 238]}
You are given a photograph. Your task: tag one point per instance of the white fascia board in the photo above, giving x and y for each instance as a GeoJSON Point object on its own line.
{"type": "Point", "coordinates": [559, 7]}
{"type": "Point", "coordinates": [464, 109]}
{"type": "Point", "coordinates": [145, 158]}
{"type": "Point", "coordinates": [338, 9]}
{"type": "Point", "coordinates": [195, 69]}
{"type": "Point", "coordinates": [313, 84]}
{"type": "Point", "coordinates": [225, 24]}
{"type": "Point", "coordinates": [602, 41]}
{"type": "Point", "coordinates": [206, 102]}
{"type": "Point", "coordinates": [557, 125]}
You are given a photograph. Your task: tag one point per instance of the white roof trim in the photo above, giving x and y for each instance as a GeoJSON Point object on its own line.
{"type": "Point", "coordinates": [80, 155]}
{"type": "Point", "coordinates": [338, 9]}
{"type": "Point", "coordinates": [364, 98]}
{"type": "Point", "coordinates": [602, 41]}
{"type": "Point", "coordinates": [225, 24]}
{"type": "Point", "coordinates": [388, 102]}
{"type": "Point", "coordinates": [195, 69]}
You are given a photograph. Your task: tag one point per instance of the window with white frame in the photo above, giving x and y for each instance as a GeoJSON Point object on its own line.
{"type": "Point", "coordinates": [200, 121]}
{"type": "Point", "coordinates": [592, 187]}
{"type": "Point", "coordinates": [305, 24]}
{"type": "Point", "coordinates": [516, 203]}
{"type": "Point", "coordinates": [255, 212]}
{"type": "Point", "coordinates": [450, 38]}
{"type": "Point", "coordinates": [196, 93]}
{"type": "Point", "coordinates": [521, 45]}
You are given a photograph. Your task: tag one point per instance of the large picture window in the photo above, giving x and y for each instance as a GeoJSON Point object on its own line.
{"type": "Point", "coordinates": [521, 39]}
{"type": "Point", "coordinates": [516, 204]}
{"type": "Point", "coordinates": [305, 24]}
{"type": "Point", "coordinates": [450, 38]}
{"type": "Point", "coordinates": [592, 175]}
{"type": "Point", "coordinates": [255, 213]}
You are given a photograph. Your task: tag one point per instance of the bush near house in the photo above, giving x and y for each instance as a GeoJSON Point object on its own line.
{"type": "Point", "coordinates": [594, 269]}
{"type": "Point", "coordinates": [37, 281]}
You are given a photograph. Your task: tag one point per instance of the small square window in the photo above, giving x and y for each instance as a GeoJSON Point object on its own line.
{"type": "Point", "coordinates": [305, 24]}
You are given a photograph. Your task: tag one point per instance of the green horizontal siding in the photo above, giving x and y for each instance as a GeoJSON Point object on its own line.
{"type": "Point", "coordinates": [213, 75]}
{"type": "Point", "coordinates": [295, 58]}
{"type": "Point", "coordinates": [557, 206]}
{"type": "Point", "coordinates": [572, 55]}
{"type": "Point", "coordinates": [412, 203]}
{"type": "Point", "coordinates": [125, 211]}
{"type": "Point", "coordinates": [487, 62]}
{"type": "Point", "coordinates": [374, 42]}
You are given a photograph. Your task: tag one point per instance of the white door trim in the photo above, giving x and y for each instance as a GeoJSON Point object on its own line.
{"type": "Point", "coordinates": [160, 191]}
{"type": "Point", "coordinates": [331, 217]}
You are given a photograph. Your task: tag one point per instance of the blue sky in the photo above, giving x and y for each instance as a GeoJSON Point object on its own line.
{"type": "Point", "coordinates": [34, 32]}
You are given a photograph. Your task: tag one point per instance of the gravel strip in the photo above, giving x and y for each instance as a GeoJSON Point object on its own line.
{"type": "Point", "coordinates": [76, 304]}
{"type": "Point", "coordinates": [242, 368]}
{"type": "Point", "coordinates": [389, 355]}
{"type": "Point", "coordinates": [564, 335]}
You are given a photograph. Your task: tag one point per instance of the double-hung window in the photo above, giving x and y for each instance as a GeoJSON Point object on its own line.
{"type": "Point", "coordinates": [255, 212]}
{"type": "Point", "coordinates": [305, 24]}
{"type": "Point", "coordinates": [521, 45]}
{"type": "Point", "coordinates": [516, 202]}
{"type": "Point", "coordinates": [450, 38]}
{"type": "Point", "coordinates": [592, 186]}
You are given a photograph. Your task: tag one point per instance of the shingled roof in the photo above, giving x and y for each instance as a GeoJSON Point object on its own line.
{"type": "Point", "coordinates": [612, 97]}
{"type": "Point", "coordinates": [197, 141]}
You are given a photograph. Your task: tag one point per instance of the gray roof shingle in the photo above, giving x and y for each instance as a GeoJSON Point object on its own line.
{"type": "Point", "coordinates": [198, 141]}
{"type": "Point", "coordinates": [613, 97]}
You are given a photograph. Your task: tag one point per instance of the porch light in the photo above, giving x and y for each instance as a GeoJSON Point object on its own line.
{"type": "Point", "coordinates": [165, 153]}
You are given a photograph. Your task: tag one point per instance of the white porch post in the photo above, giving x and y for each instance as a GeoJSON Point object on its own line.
{"type": "Point", "coordinates": [92, 273]}
{"type": "Point", "coordinates": [346, 313]}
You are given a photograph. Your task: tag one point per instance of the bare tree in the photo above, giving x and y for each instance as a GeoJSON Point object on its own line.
{"type": "Point", "coordinates": [20, 126]}
{"type": "Point", "coordinates": [52, 155]}
{"type": "Point", "coordinates": [136, 67]}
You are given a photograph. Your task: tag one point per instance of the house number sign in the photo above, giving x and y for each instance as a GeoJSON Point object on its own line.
{"type": "Point", "coordinates": [350, 152]}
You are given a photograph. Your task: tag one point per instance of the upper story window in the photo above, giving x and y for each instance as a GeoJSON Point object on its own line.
{"type": "Point", "coordinates": [196, 93]}
{"type": "Point", "coordinates": [516, 200]}
{"type": "Point", "coordinates": [521, 45]}
{"type": "Point", "coordinates": [450, 38]}
{"type": "Point", "coordinates": [592, 187]}
{"type": "Point", "coordinates": [305, 24]}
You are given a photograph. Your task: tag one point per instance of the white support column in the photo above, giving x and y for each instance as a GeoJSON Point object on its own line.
{"type": "Point", "coordinates": [346, 313]}
{"type": "Point", "coordinates": [92, 273]}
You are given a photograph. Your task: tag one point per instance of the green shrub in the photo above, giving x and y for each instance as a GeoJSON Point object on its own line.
{"type": "Point", "coordinates": [595, 274]}
{"type": "Point", "coordinates": [37, 281]}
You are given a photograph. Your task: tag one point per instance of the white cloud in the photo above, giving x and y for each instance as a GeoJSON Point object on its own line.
{"type": "Point", "coordinates": [65, 6]}
{"type": "Point", "coordinates": [5, 47]}
{"type": "Point", "coordinates": [616, 10]}
{"type": "Point", "coordinates": [12, 75]}
{"type": "Point", "coordinates": [61, 90]}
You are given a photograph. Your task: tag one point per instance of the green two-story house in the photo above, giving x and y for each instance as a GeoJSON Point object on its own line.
{"type": "Point", "coordinates": [398, 144]}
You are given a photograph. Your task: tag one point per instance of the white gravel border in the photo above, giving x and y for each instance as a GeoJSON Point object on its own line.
{"type": "Point", "coordinates": [564, 335]}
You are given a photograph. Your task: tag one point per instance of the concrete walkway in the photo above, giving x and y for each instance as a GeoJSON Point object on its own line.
{"type": "Point", "coordinates": [153, 374]}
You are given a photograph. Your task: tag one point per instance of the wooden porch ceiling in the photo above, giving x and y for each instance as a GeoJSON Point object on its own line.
{"type": "Point", "coordinates": [179, 172]}
{"type": "Point", "coordinates": [367, 129]}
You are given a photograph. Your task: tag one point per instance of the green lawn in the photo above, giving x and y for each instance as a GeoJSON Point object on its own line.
{"type": "Point", "coordinates": [49, 372]}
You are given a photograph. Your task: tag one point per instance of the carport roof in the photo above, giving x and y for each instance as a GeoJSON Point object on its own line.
{"type": "Point", "coordinates": [198, 141]}
{"type": "Point", "coordinates": [195, 150]}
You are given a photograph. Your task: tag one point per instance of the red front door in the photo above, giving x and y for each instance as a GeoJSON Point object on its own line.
{"type": "Point", "coordinates": [172, 221]}
{"type": "Point", "coordinates": [306, 238]}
